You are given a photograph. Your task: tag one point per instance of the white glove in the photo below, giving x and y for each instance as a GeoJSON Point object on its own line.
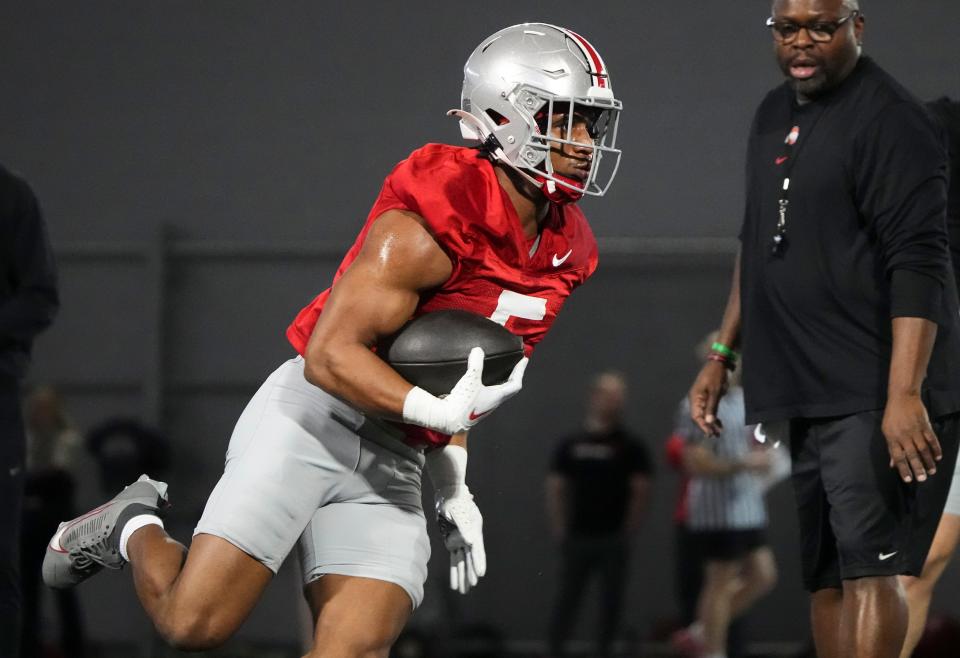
{"type": "Point", "coordinates": [458, 517]}
{"type": "Point", "coordinates": [467, 403]}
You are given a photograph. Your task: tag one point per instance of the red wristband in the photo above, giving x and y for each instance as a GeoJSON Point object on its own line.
{"type": "Point", "coordinates": [729, 364]}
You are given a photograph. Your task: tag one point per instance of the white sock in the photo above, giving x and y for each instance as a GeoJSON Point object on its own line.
{"type": "Point", "coordinates": [132, 526]}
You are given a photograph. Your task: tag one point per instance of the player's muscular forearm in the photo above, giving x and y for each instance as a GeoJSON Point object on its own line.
{"type": "Point", "coordinates": [378, 293]}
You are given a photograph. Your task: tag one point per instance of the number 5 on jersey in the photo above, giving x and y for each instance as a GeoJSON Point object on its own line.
{"type": "Point", "coordinates": [513, 304]}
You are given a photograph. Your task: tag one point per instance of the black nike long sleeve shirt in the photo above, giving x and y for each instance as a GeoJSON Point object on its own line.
{"type": "Point", "coordinates": [866, 241]}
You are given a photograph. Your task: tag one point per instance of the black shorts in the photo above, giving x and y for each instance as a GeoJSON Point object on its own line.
{"type": "Point", "coordinates": [727, 545]}
{"type": "Point", "coordinates": [857, 517]}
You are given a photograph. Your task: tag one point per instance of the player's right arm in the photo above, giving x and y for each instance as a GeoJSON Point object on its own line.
{"type": "Point", "coordinates": [711, 383]}
{"type": "Point", "coordinates": [375, 296]}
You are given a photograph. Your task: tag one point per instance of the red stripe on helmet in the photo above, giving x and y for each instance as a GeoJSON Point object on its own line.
{"type": "Point", "coordinates": [600, 74]}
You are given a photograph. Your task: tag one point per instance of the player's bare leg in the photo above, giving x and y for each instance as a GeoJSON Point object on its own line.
{"type": "Point", "coordinates": [826, 609]}
{"type": "Point", "coordinates": [874, 619]}
{"type": "Point", "coordinates": [356, 617]}
{"type": "Point", "coordinates": [920, 590]}
{"type": "Point", "coordinates": [196, 599]}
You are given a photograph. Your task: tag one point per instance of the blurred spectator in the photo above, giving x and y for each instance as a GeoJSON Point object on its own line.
{"type": "Point", "coordinates": [688, 570]}
{"type": "Point", "coordinates": [726, 519]}
{"type": "Point", "coordinates": [52, 444]}
{"type": "Point", "coordinates": [28, 303]}
{"type": "Point", "coordinates": [597, 490]}
{"type": "Point", "coordinates": [124, 449]}
{"type": "Point", "coordinates": [688, 563]}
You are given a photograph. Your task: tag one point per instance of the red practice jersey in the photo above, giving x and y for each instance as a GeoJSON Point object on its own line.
{"type": "Point", "coordinates": [469, 214]}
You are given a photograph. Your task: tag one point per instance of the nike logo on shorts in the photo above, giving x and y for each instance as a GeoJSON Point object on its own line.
{"type": "Point", "coordinates": [886, 556]}
{"type": "Point", "coordinates": [557, 262]}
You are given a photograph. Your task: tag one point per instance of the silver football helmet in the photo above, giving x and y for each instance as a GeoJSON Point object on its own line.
{"type": "Point", "coordinates": [524, 73]}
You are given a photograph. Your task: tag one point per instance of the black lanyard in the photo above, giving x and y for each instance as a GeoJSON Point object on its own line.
{"type": "Point", "coordinates": [788, 158]}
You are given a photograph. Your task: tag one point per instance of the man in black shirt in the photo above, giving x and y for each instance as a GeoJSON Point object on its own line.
{"type": "Point", "coordinates": [597, 490]}
{"type": "Point", "coordinates": [842, 291]}
{"type": "Point", "coordinates": [28, 302]}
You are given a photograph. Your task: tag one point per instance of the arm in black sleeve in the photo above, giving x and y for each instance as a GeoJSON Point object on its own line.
{"type": "Point", "coordinates": [947, 114]}
{"type": "Point", "coordinates": [29, 270]}
{"type": "Point", "coordinates": [902, 193]}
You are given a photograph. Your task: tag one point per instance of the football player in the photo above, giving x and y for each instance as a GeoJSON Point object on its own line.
{"type": "Point", "coordinates": [331, 449]}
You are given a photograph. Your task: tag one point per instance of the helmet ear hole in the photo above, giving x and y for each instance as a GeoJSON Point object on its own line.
{"type": "Point", "coordinates": [498, 119]}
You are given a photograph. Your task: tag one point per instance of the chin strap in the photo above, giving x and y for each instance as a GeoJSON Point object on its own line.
{"type": "Point", "coordinates": [474, 128]}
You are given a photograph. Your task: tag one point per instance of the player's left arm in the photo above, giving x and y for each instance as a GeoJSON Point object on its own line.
{"type": "Point", "coordinates": [457, 513]}
{"type": "Point", "coordinates": [913, 445]}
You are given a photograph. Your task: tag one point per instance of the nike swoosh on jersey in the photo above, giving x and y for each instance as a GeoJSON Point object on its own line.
{"type": "Point", "coordinates": [887, 556]}
{"type": "Point", "coordinates": [557, 262]}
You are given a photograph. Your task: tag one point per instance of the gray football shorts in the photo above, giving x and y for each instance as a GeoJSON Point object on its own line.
{"type": "Point", "coordinates": [296, 469]}
{"type": "Point", "coordinates": [953, 498]}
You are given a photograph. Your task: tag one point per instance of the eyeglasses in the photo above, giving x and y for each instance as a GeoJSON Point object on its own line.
{"type": "Point", "coordinates": [819, 31]}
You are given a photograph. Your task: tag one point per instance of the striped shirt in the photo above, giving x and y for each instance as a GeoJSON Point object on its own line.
{"type": "Point", "coordinates": [731, 502]}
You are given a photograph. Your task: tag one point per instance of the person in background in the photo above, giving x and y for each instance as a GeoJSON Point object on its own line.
{"type": "Point", "coordinates": [726, 518]}
{"type": "Point", "coordinates": [844, 298]}
{"type": "Point", "coordinates": [688, 572]}
{"type": "Point", "coordinates": [124, 447]}
{"type": "Point", "coordinates": [596, 492]}
{"type": "Point", "coordinates": [52, 448]}
{"type": "Point", "coordinates": [28, 304]}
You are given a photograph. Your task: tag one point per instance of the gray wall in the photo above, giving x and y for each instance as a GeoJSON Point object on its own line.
{"type": "Point", "coordinates": [274, 123]}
